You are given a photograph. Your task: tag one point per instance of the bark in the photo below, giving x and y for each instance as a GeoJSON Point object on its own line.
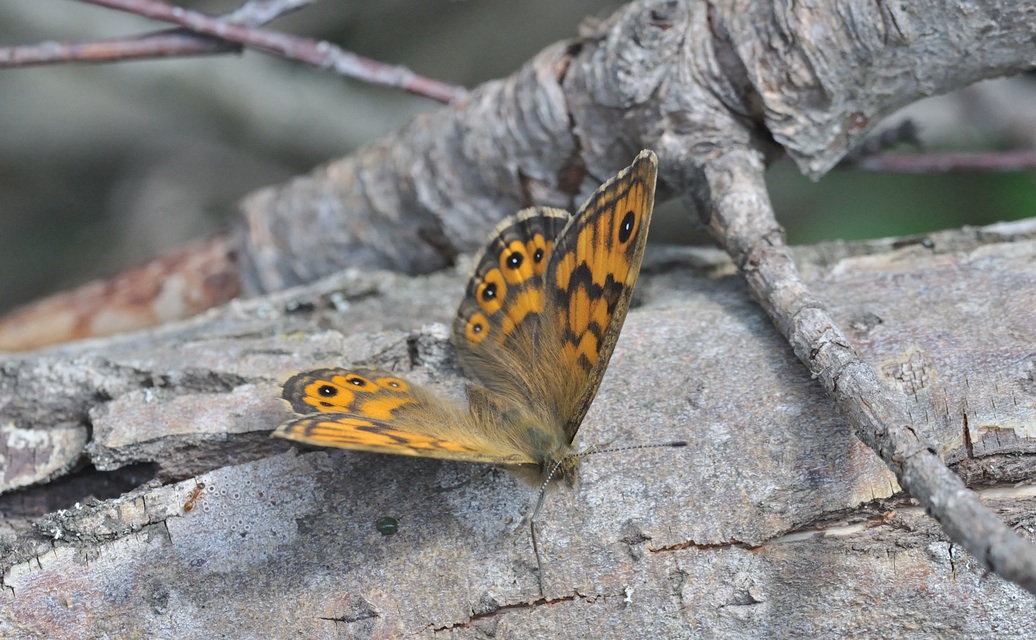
{"type": "Point", "coordinates": [711, 540]}
{"type": "Point", "coordinates": [809, 81]}
{"type": "Point", "coordinates": [687, 79]}
{"type": "Point", "coordinates": [776, 521]}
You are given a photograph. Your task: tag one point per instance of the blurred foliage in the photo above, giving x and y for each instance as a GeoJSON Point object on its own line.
{"type": "Point", "coordinates": [856, 205]}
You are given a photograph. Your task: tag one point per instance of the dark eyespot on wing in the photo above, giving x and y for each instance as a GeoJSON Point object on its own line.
{"type": "Point", "coordinates": [626, 227]}
{"type": "Point", "coordinates": [505, 292]}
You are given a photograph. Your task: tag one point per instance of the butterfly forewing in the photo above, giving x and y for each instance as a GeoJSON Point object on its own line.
{"type": "Point", "coordinates": [590, 278]}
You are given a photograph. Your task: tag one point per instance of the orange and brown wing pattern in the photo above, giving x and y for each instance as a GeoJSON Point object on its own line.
{"type": "Point", "coordinates": [590, 279]}
{"type": "Point", "coordinates": [537, 327]}
{"type": "Point", "coordinates": [349, 431]}
{"type": "Point", "coordinates": [362, 390]}
{"type": "Point", "coordinates": [505, 295]}
{"type": "Point", "coordinates": [371, 410]}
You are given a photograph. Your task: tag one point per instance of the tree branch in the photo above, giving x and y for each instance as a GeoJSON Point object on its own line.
{"type": "Point", "coordinates": [202, 34]}
{"type": "Point", "coordinates": [1021, 160]}
{"type": "Point", "coordinates": [728, 188]}
{"type": "Point", "coordinates": [163, 44]}
{"type": "Point", "coordinates": [319, 54]}
{"type": "Point", "coordinates": [742, 220]}
{"type": "Point", "coordinates": [772, 520]}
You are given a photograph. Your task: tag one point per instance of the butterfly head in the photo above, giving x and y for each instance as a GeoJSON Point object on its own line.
{"type": "Point", "coordinates": [564, 470]}
{"type": "Point", "coordinates": [559, 468]}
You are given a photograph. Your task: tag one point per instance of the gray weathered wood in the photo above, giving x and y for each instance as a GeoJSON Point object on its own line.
{"type": "Point", "coordinates": [687, 79]}
{"type": "Point", "coordinates": [777, 521]}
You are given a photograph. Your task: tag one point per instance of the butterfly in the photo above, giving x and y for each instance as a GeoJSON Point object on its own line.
{"type": "Point", "coordinates": [534, 332]}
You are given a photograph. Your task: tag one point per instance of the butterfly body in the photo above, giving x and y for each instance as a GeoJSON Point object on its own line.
{"type": "Point", "coordinates": [535, 330]}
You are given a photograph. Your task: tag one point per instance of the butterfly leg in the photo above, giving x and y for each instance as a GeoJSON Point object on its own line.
{"type": "Point", "coordinates": [536, 551]}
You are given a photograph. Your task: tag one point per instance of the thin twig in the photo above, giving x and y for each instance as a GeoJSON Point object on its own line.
{"type": "Point", "coordinates": [256, 13]}
{"type": "Point", "coordinates": [743, 222]}
{"type": "Point", "coordinates": [161, 44]}
{"type": "Point", "coordinates": [320, 54]}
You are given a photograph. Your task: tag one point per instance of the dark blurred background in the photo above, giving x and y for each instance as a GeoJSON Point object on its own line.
{"type": "Point", "coordinates": [102, 166]}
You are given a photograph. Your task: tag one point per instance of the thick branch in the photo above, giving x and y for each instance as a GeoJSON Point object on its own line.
{"type": "Point", "coordinates": [827, 74]}
{"type": "Point", "coordinates": [815, 79]}
{"type": "Point", "coordinates": [767, 525]}
{"type": "Point", "coordinates": [710, 88]}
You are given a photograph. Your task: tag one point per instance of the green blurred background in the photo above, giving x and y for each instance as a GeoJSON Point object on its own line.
{"type": "Point", "coordinates": [103, 166]}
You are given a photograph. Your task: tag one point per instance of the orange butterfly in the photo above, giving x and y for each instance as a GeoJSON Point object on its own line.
{"type": "Point", "coordinates": [535, 330]}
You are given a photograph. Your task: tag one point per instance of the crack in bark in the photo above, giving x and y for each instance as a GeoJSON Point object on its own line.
{"type": "Point", "coordinates": [704, 546]}
{"type": "Point", "coordinates": [504, 608]}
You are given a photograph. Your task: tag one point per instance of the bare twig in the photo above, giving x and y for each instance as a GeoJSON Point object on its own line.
{"type": "Point", "coordinates": [203, 35]}
{"type": "Point", "coordinates": [256, 13]}
{"type": "Point", "coordinates": [743, 222]}
{"type": "Point", "coordinates": [872, 155]}
{"type": "Point", "coordinates": [162, 44]}
{"type": "Point", "coordinates": [316, 53]}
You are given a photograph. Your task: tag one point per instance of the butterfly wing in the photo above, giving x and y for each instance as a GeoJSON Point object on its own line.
{"type": "Point", "coordinates": [548, 297]}
{"type": "Point", "coordinates": [505, 294]}
{"type": "Point", "coordinates": [371, 410]}
{"type": "Point", "coordinates": [589, 283]}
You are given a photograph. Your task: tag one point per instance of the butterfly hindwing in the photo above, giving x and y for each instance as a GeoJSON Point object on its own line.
{"type": "Point", "coordinates": [371, 410]}
{"type": "Point", "coordinates": [359, 390]}
{"type": "Point", "coordinates": [505, 296]}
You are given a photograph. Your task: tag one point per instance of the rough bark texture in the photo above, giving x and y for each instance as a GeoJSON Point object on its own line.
{"type": "Point", "coordinates": [776, 522]}
{"type": "Point", "coordinates": [710, 540]}
{"type": "Point", "coordinates": [685, 78]}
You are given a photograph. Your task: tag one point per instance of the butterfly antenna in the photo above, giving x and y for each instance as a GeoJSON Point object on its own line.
{"type": "Point", "coordinates": [593, 448]}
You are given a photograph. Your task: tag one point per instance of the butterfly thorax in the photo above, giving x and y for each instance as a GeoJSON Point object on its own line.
{"type": "Point", "coordinates": [552, 458]}
{"type": "Point", "coordinates": [531, 430]}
